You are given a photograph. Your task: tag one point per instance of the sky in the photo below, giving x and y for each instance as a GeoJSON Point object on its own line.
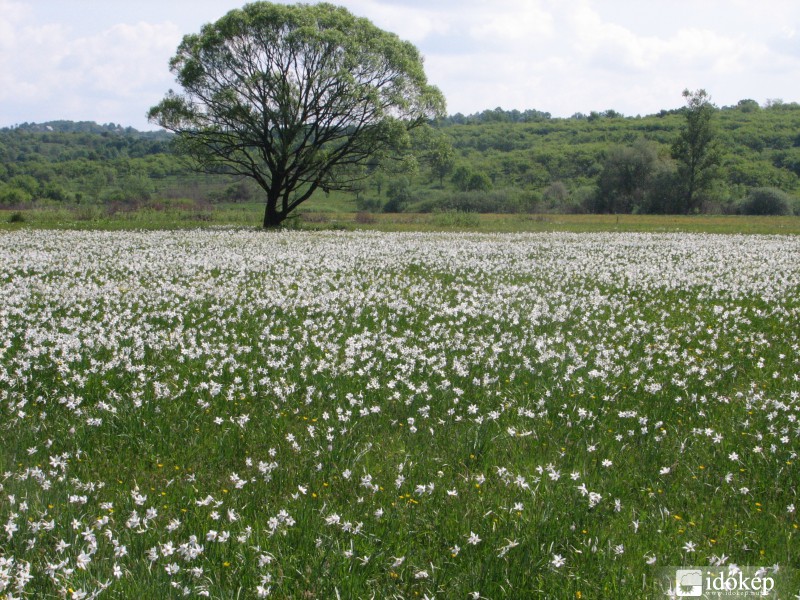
{"type": "Point", "coordinates": [107, 61]}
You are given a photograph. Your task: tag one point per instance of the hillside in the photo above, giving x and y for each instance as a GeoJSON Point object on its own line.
{"type": "Point", "coordinates": [556, 163]}
{"type": "Point", "coordinates": [501, 161]}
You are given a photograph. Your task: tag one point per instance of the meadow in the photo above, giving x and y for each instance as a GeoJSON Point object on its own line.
{"type": "Point", "coordinates": [341, 214]}
{"type": "Point", "coordinates": [230, 413]}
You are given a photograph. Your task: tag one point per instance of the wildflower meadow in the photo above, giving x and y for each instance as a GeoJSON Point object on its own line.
{"type": "Point", "coordinates": [339, 415]}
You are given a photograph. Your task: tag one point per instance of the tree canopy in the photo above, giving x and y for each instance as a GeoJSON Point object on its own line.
{"type": "Point", "coordinates": [298, 98]}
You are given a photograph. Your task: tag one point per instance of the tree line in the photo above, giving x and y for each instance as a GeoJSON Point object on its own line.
{"type": "Point", "coordinates": [494, 161]}
{"type": "Point", "coordinates": [699, 158]}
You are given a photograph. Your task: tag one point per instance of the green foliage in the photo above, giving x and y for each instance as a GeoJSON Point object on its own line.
{"type": "Point", "coordinates": [555, 194]}
{"type": "Point", "coordinates": [399, 194]}
{"type": "Point", "coordinates": [627, 179]}
{"type": "Point", "coordinates": [522, 157]}
{"type": "Point", "coordinates": [479, 182]}
{"type": "Point", "coordinates": [13, 196]}
{"type": "Point", "coordinates": [295, 97]}
{"type": "Point", "coordinates": [25, 183]}
{"type": "Point", "coordinates": [696, 150]}
{"type": "Point", "coordinates": [442, 159]}
{"type": "Point", "coordinates": [767, 201]}
{"type": "Point", "coordinates": [467, 180]}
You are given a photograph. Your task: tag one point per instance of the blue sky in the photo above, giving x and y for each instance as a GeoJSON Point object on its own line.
{"type": "Point", "coordinates": [106, 61]}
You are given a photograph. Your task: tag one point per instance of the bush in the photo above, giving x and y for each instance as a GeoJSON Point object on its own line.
{"type": "Point", "coordinates": [239, 191]}
{"type": "Point", "coordinates": [467, 180]}
{"type": "Point", "coordinates": [14, 196]}
{"type": "Point", "coordinates": [16, 217]}
{"type": "Point", "coordinates": [767, 201]}
{"type": "Point", "coordinates": [399, 194]}
{"type": "Point", "coordinates": [53, 191]}
{"type": "Point", "coordinates": [369, 204]}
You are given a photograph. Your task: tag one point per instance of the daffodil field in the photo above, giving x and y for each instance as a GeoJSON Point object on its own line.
{"type": "Point", "coordinates": [238, 414]}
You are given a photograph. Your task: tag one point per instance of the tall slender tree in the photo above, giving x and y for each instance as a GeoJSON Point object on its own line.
{"type": "Point", "coordinates": [696, 150]}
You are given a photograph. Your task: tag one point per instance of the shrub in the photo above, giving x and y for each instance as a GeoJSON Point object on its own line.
{"type": "Point", "coordinates": [239, 191]}
{"type": "Point", "coordinates": [53, 191]}
{"type": "Point", "coordinates": [14, 196]}
{"type": "Point", "coordinates": [399, 194]}
{"type": "Point", "coordinates": [16, 217]}
{"type": "Point", "coordinates": [369, 204]}
{"type": "Point", "coordinates": [766, 201]}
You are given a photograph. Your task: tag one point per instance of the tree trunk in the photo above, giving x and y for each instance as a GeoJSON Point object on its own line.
{"type": "Point", "coordinates": [272, 218]}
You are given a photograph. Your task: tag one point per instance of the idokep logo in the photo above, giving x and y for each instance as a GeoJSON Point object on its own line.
{"type": "Point", "coordinates": [718, 582]}
{"type": "Point", "coordinates": [689, 583]}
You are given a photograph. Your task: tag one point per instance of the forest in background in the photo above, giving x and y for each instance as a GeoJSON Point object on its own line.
{"type": "Point", "coordinates": [496, 161]}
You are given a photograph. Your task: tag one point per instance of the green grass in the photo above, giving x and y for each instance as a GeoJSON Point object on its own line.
{"type": "Point", "coordinates": [338, 213]}
{"type": "Point", "coordinates": [404, 395]}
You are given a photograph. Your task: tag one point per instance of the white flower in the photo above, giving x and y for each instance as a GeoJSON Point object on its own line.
{"type": "Point", "coordinates": [83, 560]}
{"type": "Point", "coordinates": [558, 561]}
{"type": "Point", "coordinates": [504, 549]}
{"type": "Point", "coordinates": [473, 538]}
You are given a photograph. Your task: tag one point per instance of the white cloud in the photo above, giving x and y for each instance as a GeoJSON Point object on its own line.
{"type": "Point", "coordinates": [125, 58]}
{"type": "Point", "coordinates": [412, 24]}
{"type": "Point", "coordinates": [511, 22]}
{"type": "Point", "coordinates": [48, 74]}
{"type": "Point", "coordinates": [562, 57]}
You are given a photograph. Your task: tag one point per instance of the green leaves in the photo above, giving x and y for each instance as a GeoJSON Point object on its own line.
{"type": "Point", "coordinates": [295, 97]}
{"type": "Point", "coordinates": [695, 149]}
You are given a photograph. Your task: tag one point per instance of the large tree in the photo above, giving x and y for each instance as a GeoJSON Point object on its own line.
{"type": "Point", "coordinates": [296, 97]}
{"type": "Point", "coordinates": [696, 150]}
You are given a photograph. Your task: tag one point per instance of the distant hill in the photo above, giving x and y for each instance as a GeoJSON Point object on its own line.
{"type": "Point", "coordinates": [500, 161]}
{"type": "Point", "coordinates": [85, 127]}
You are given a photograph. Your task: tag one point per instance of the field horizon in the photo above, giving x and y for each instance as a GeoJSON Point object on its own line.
{"type": "Point", "coordinates": [318, 216]}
